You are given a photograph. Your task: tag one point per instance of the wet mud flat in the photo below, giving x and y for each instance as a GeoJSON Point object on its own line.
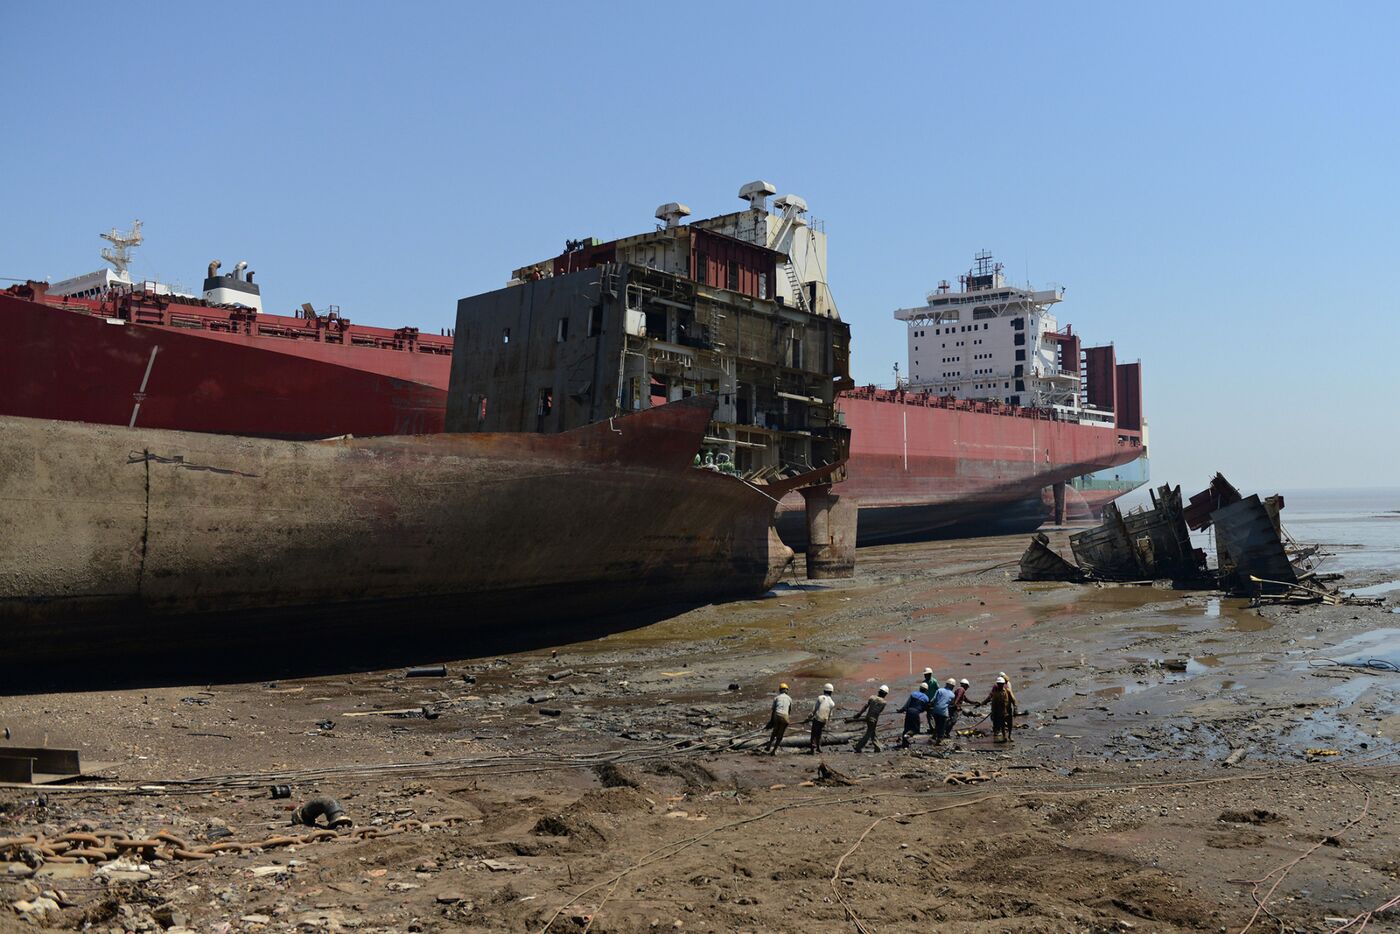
{"type": "Point", "coordinates": [1180, 758]}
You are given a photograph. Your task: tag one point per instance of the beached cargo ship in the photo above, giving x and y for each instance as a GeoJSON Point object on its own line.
{"type": "Point", "coordinates": [598, 508]}
{"type": "Point", "coordinates": [120, 544]}
{"type": "Point", "coordinates": [1000, 403]}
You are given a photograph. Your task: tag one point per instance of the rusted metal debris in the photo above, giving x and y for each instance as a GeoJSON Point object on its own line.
{"type": "Point", "coordinates": [1145, 544]}
{"type": "Point", "coordinates": [1249, 547]}
{"type": "Point", "coordinates": [41, 765]}
{"type": "Point", "coordinates": [1218, 495]}
{"type": "Point", "coordinates": [1040, 563]}
{"type": "Point", "coordinates": [1255, 557]}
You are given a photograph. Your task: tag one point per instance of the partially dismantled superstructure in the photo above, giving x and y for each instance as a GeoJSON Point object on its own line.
{"type": "Point", "coordinates": [734, 306]}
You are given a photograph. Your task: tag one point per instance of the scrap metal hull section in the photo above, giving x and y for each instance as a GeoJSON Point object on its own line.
{"type": "Point", "coordinates": [109, 528]}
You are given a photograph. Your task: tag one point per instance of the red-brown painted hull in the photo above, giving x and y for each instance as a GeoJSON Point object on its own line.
{"type": "Point", "coordinates": [76, 365]}
{"type": "Point", "coordinates": [918, 467]}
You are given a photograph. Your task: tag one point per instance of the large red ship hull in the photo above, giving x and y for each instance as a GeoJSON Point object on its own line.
{"type": "Point", "coordinates": [81, 362]}
{"type": "Point", "coordinates": [922, 465]}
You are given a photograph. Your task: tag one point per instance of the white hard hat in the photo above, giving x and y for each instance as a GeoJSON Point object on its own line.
{"type": "Point", "coordinates": [928, 671]}
{"type": "Point", "coordinates": [951, 681]}
{"type": "Point", "coordinates": [965, 681]}
{"type": "Point", "coordinates": [884, 689]}
{"type": "Point", "coordinates": [828, 688]}
{"type": "Point", "coordinates": [1001, 680]}
{"type": "Point", "coordinates": [1002, 673]}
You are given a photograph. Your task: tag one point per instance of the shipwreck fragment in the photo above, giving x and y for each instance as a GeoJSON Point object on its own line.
{"type": "Point", "coordinates": [1145, 544]}
{"type": "Point", "coordinates": [1040, 563]}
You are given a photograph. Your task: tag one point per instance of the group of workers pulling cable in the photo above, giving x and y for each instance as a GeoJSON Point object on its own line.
{"type": "Point", "coordinates": [940, 704]}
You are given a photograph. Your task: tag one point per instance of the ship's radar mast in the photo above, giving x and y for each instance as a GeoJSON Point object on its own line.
{"type": "Point", "coordinates": [120, 253]}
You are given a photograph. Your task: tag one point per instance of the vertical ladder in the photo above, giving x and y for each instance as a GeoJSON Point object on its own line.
{"type": "Point", "coordinates": [795, 284]}
{"type": "Point", "coordinates": [798, 287]}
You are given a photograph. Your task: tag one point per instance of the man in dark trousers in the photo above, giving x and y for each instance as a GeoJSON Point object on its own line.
{"type": "Point", "coordinates": [778, 719]}
{"type": "Point", "coordinates": [1003, 708]}
{"type": "Point", "coordinates": [821, 715]}
{"type": "Point", "coordinates": [930, 686]}
{"type": "Point", "coordinates": [913, 710]}
{"type": "Point", "coordinates": [955, 708]}
{"type": "Point", "coordinates": [870, 715]}
{"type": "Point", "coordinates": [941, 704]}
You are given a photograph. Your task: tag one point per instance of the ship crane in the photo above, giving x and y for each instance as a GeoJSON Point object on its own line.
{"type": "Point", "coordinates": [120, 253]}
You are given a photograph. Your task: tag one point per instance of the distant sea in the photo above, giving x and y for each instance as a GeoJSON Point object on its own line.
{"type": "Point", "coordinates": [1359, 529]}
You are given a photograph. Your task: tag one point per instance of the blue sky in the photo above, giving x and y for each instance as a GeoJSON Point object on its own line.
{"type": "Point", "coordinates": [1215, 185]}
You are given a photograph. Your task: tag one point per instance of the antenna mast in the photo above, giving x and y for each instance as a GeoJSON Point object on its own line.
{"type": "Point", "coordinates": [120, 253]}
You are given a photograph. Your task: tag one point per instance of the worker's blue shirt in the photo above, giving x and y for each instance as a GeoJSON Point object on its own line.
{"type": "Point", "coordinates": [941, 699]}
{"type": "Point", "coordinates": [917, 703]}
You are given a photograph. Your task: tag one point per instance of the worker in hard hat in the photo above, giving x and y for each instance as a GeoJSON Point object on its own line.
{"type": "Point", "coordinates": [913, 711]}
{"type": "Point", "coordinates": [778, 719]}
{"type": "Point", "coordinates": [870, 715]}
{"type": "Point", "coordinates": [1015, 708]}
{"type": "Point", "coordinates": [1003, 709]}
{"type": "Point", "coordinates": [821, 715]}
{"type": "Point", "coordinates": [955, 708]}
{"type": "Point", "coordinates": [930, 684]}
{"type": "Point", "coordinates": [940, 704]}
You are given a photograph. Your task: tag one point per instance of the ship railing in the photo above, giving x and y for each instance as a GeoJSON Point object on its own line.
{"type": "Point", "coordinates": [951, 403]}
{"type": "Point", "coordinates": [140, 310]}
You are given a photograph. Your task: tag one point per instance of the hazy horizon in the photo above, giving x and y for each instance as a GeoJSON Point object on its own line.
{"type": "Point", "coordinates": [1213, 185]}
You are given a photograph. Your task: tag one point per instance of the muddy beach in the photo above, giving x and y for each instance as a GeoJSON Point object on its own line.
{"type": "Point", "coordinates": [1183, 762]}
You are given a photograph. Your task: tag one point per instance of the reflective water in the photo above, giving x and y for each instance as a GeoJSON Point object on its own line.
{"type": "Point", "coordinates": [1383, 644]}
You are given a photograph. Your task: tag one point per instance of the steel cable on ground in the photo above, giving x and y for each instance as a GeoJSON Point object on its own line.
{"type": "Point", "coordinates": [1283, 870]}
{"type": "Point", "coordinates": [1366, 917]}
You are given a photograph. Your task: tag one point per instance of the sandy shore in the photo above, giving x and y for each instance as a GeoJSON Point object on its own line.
{"type": "Point", "coordinates": [1136, 796]}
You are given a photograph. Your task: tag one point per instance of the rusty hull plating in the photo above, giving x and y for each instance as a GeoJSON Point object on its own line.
{"type": "Point", "coordinates": [110, 528]}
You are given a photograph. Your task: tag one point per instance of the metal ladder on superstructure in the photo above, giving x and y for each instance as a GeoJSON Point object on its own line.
{"type": "Point", "coordinates": [795, 283]}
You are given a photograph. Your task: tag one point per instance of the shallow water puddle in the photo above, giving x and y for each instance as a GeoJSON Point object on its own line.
{"type": "Point", "coordinates": [1383, 644]}
{"type": "Point", "coordinates": [1376, 590]}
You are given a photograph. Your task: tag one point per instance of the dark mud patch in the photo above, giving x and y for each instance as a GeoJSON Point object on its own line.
{"type": "Point", "coordinates": [590, 819]}
{"type": "Point", "coordinates": [1252, 816]}
{"type": "Point", "coordinates": [694, 775]}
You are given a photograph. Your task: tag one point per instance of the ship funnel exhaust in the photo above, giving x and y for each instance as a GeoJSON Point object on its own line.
{"type": "Point", "coordinates": [232, 288]}
{"type": "Point", "coordinates": [672, 212]}
{"type": "Point", "coordinates": [756, 194]}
